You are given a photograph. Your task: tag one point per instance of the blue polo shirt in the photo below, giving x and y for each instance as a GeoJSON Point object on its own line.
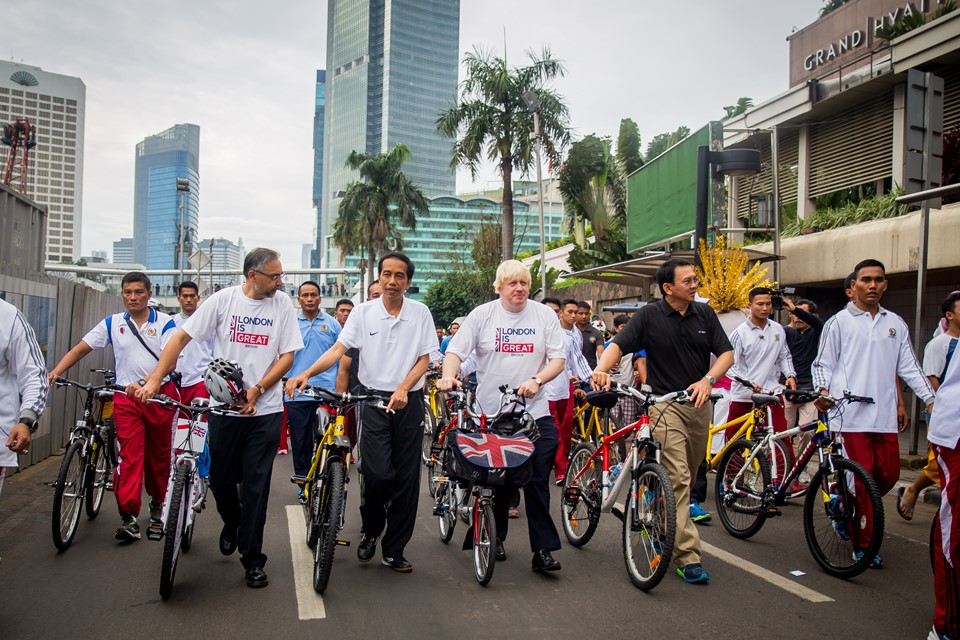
{"type": "Point", "coordinates": [318, 335]}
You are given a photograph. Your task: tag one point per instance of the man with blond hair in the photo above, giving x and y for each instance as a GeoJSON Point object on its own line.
{"type": "Point", "coordinates": [519, 344]}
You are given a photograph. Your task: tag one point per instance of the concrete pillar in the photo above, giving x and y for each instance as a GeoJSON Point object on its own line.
{"type": "Point", "coordinates": [899, 134]}
{"type": "Point", "coordinates": [805, 204]}
{"type": "Point", "coordinates": [733, 220]}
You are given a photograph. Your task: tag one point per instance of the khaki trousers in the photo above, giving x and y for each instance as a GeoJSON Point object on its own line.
{"type": "Point", "coordinates": [682, 430]}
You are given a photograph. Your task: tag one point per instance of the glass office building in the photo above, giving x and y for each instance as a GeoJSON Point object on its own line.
{"type": "Point", "coordinates": [391, 68]}
{"type": "Point", "coordinates": [160, 160]}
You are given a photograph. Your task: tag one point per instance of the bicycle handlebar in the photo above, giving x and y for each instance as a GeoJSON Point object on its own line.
{"type": "Point", "coordinates": [89, 388]}
{"type": "Point", "coordinates": [647, 398]}
{"type": "Point", "coordinates": [198, 407]}
{"type": "Point", "coordinates": [335, 397]}
{"type": "Point", "coordinates": [810, 396]}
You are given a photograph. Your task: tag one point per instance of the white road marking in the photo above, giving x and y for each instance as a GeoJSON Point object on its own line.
{"type": "Point", "coordinates": [309, 602]}
{"type": "Point", "coordinates": [764, 574]}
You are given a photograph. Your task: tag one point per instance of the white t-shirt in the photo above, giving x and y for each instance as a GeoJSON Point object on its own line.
{"type": "Point", "coordinates": [252, 333]}
{"type": "Point", "coordinates": [193, 360]}
{"type": "Point", "coordinates": [760, 356]}
{"type": "Point", "coordinates": [510, 348]}
{"type": "Point", "coordinates": [389, 346]}
{"type": "Point", "coordinates": [936, 354]}
{"type": "Point", "coordinates": [131, 360]}
{"type": "Point", "coordinates": [945, 421]}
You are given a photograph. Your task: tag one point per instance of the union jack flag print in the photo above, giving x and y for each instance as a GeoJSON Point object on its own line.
{"type": "Point", "coordinates": [491, 451]}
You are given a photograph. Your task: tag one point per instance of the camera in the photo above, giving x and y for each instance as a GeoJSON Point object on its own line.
{"type": "Point", "coordinates": [776, 296]}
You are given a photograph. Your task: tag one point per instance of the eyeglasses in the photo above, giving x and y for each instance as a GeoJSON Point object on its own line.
{"type": "Point", "coordinates": [275, 277]}
{"type": "Point", "coordinates": [689, 282]}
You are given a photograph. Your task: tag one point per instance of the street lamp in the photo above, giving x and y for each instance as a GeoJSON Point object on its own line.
{"type": "Point", "coordinates": [183, 187]}
{"type": "Point", "coordinates": [533, 105]}
{"type": "Point", "coordinates": [730, 162]}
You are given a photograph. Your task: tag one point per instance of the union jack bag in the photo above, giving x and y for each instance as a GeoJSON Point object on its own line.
{"type": "Point", "coordinates": [490, 459]}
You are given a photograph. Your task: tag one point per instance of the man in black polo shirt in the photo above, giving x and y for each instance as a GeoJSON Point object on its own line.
{"type": "Point", "coordinates": [679, 335]}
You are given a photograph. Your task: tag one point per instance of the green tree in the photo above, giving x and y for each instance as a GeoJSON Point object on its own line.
{"type": "Point", "coordinates": [664, 141]}
{"type": "Point", "coordinates": [831, 5]}
{"type": "Point", "coordinates": [373, 207]}
{"type": "Point", "coordinates": [628, 146]}
{"type": "Point", "coordinates": [490, 120]}
{"type": "Point", "coordinates": [741, 107]}
{"type": "Point", "coordinates": [458, 292]}
{"type": "Point", "coordinates": [586, 193]}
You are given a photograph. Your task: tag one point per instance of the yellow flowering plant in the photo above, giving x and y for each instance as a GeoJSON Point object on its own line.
{"type": "Point", "coordinates": [725, 277]}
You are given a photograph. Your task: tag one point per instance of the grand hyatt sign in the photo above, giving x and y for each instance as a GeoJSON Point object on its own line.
{"type": "Point", "coordinates": [847, 34]}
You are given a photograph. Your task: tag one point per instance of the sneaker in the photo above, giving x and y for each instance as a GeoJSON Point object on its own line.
{"type": "Point", "coordinates": [302, 497]}
{"type": "Point", "coordinates": [129, 530]}
{"type": "Point", "coordinates": [936, 635]}
{"type": "Point", "coordinates": [693, 573]}
{"type": "Point", "coordinates": [838, 524]}
{"type": "Point", "coordinates": [397, 562]}
{"type": "Point", "coordinates": [876, 563]}
{"type": "Point", "coordinates": [698, 514]}
{"type": "Point", "coordinates": [366, 548]}
{"type": "Point", "coordinates": [156, 511]}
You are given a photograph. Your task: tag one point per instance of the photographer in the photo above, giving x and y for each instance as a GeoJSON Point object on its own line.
{"type": "Point", "coordinates": [803, 336]}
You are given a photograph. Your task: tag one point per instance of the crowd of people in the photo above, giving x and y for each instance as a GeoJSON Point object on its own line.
{"type": "Point", "coordinates": [549, 351]}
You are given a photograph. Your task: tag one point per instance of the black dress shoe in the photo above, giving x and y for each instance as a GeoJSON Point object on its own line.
{"type": "Point", "coordinates": [228, 539]}
{"type": "Point", "coordinates": [543, 561]}
{"type": "Point", "coordinates": [366, 548]}
{"type": "Point", "coordinates": [397, 562]}
{"type": "Point", "coordinates": [257, 578]}
{"type": "Point", "coordinates": [500, 554]}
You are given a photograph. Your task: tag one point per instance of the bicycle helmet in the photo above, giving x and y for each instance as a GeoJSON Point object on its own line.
{"type": "Point", "coordinates": [224, 381]}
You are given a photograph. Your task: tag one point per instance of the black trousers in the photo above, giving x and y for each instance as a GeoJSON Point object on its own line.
{"type": "Point", "coordinates": [698, 491]}
{"type": "Point", "coordinates": [390, 462]}
{"type": "Point", "coordinates": [540, 526]}
{"type": "Point", "coordinates": [242, 451]}
{"type": "Point", "coordinates": [303, 422]}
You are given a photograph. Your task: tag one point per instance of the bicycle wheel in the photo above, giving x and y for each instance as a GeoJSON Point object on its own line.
{"type": "Point", "coordinates": [580, 502]}
{"type": "Point", "coordinates": [484, 544]}
{"type": "Point", "coordinates": [649, 526]}
{"type": "Point", "coordinates": [740, 500]}
{"type": "Point", "coordinates": [68, 495]}
{"type": "Point", "coordinates": [312, 509]}
{"type": "Point", "coordinates": [446, 505]}
{"type": "Point", "coordinates": [429, 429]}
{"type": "Point", "coordinates": [329, 525]}
{"type": "Point", "coordinates": [97, 476]}
{"type": "Point", "coordinates": [187, 540]}
{"type": "Point", "coordinates": [173, 530]}
{"type": "Point", "coordinates": [843, 518]}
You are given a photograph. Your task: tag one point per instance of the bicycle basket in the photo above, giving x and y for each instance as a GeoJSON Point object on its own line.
{"type": "Point", "coordinates": [489, 459]}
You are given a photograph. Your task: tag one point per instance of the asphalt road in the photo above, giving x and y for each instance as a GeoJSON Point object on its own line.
{"type": "Point", "coordinates": [100, 589]}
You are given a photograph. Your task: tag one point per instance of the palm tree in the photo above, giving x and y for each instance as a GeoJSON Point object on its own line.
{"type": "Point", "coordinates": [491, 120]}
{"type": "Point", "coordinates": [373, 207]}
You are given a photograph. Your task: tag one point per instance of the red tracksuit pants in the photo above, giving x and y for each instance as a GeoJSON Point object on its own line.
{"type": "Point", "coordinates": [562, 412]}
{"type": "Point", "coordinates": [145, 431]}
{"type": "Point", "coordinates": [945, 544]}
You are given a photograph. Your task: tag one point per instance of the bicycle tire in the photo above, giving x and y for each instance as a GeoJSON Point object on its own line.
{"type": "Point", "coordinates": [99, 471]}
{"type": "Point", "coordinates": [826, 522]}
{"type": "Point", "coordinates": [329, 526]}
{"type": "Point", "coordinates": [484, 544]}
{"type": "Point", "coordinates": [429, 429]}
{"type": "Point", "coordinates": [578, 518]}
{"type": "Point", "coordinates": [68, 496]}
{"type": "Point", "coordinates": [741, 506]}
{"type": "Point", "coordinates": [312, 509]}
{"type": "Point", "coordinates": [649, 526]}
{"type": "Point", "coordinates": [173, 530]}
{"type": "Point", "coordinates": [446, 501]}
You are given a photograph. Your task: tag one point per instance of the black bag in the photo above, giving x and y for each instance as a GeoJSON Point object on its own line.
{"type": "Point", "coordinates": [487, 458]}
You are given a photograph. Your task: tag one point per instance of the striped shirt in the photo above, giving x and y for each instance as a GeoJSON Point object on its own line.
{"type": "Point", "coordinates": [23, 375]}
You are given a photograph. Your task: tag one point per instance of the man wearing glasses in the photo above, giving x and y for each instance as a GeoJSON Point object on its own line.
{"type": "Point", "coordinates": [679, 335]}
{"type": "Point", "coordinates": [257, 329]}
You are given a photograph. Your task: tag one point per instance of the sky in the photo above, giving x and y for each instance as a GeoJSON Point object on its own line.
{"type": "Point", "coordinates": [244, 71]}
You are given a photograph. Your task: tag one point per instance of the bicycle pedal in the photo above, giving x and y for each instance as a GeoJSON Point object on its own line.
{"type": "Point", "coordinates": [300, 480]}
{"type": "Point", "coordinates": [773, 512]}
{"type": "Point", "coordinates": [618, 513]}
{"type": "Point", "coordinates": [343, 543]}
{"type": "Point", "coordinates": [155, 532]}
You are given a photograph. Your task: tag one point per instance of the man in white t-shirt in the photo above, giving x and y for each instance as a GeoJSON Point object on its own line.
{"type": "Point", "coordinates": [520, 344]}
{"type": "Point", "coordinates": [143, 430]}
{"type": "Point", "coordinates": [863, 349]}
{"type": "Point", "coordinates": [257, 329]}
{"type": "Point", "coordinates": [393, 336]}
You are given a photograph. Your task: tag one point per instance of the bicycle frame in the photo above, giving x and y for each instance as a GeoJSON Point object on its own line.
{"type": "Point", "coordinates": [334, 441]}
{"type": "Point", "coordinates": [747, 422]}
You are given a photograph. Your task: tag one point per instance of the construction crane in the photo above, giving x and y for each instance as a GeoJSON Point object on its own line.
{"type": "Point", "coordinates": [20, 137]}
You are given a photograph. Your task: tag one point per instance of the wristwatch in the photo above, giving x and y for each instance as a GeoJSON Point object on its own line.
{"type": "Point", "coordinates": [30, 422]}
{"type": "Point", "coordinates": [710, 379]}
{"type": "Point", "coordinates": [142, 382]}
{"type": "Point", "coordinates": [260, 389]}
{"type": "Point", "coordinates": [538, 381]}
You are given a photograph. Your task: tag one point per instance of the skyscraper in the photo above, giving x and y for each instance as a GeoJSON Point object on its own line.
{"type": "Point", "coordinates": [320, 101]}
{"type": "Point", "coordinates": [160, 160]}
{"type": "Point", "coordinates": [54, 104]}
{"type": "Point", "coordinates": [392, 67]}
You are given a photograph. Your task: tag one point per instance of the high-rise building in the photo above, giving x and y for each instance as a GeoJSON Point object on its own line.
{"type": "Point", "coordinates": [320, 101]}
{"type": "Point", "coordinates": [391, 68]}
{"type": "Point", "coordinates": [160, 160]}
{"type": "Point", "coordinates": [54, 104]}
{"type": "Point", "coordinates": [225, 255]}
{"type": "Point", "coordinates": [123, 250]}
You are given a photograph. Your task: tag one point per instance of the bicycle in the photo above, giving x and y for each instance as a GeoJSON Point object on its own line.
{"type": "Point", "coordinates": [487, 452]}
{"type": "Point", "coordinates": [835, 513]}
{"type": "Point", "coordinates": [781, 456]}
{"type": "Point", "coordinates": [454, 415]}
{"type": "Point", "coordinates": [86, 470]}
{"type": "Point", "coordinates": [592, 487]}
{"type": "Point", "coordinates": [325, 485]}
{"type": "Point", "coordinates": [449, 494]}
{"type": "Point", "coordinates": [594, 427]}
{"type": "Point", "coordinates": [435, 415]}
{"type": "Point", "coordinates": [186, 490]}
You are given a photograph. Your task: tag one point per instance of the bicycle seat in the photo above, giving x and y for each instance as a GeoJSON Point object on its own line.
{"type": "Point", "coordinates": [762, 398]}
{"type": "Point", "coordinates": [103, 394]}
{"type": "Point", "coordinates": [602, 399]}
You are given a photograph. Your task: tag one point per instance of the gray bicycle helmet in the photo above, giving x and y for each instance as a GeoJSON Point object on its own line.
{"type": "Point", "coordinates": [224, 381]}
